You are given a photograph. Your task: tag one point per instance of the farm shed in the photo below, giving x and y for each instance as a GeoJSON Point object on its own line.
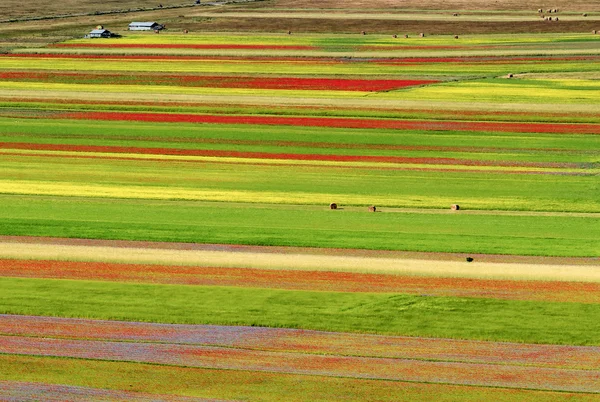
{"type": "Point", "coordinates": [145, 26]}
{"type": "Point", "coordinates": [100, 33]}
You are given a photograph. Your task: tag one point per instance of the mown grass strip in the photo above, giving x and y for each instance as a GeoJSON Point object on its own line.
{"type": "Point", "coordinates": [256, 224]}
{"type": "Point", "coordinates": [395, 314]}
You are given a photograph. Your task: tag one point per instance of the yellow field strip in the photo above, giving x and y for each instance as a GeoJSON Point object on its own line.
{"type": "Point", "coordinates": [97, 190]}
{"type": "Point", "coordinates": [300, 261]}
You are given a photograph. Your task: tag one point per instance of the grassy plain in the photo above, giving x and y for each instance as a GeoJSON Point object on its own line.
{"type": "Point", "coordinates": [532, 190]}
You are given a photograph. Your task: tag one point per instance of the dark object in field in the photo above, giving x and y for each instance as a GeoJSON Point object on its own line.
{"type": "Point", "coordinates": [455, 15]}
{"type": "Point", "coordinates": [406, 36]}
{"type": "Point", "coordinates": [289, 32]}
{"type": "Point", "coordinates": [469, 259]}
{"type": "Point", "coordinates": [509, 76]}
{"type": "Point", "coordinates": [421, 35]}
{"type": "Point", "coordinates": [394, 36]}
{"type": "Point", "coordinates": [185, 31]}
{"type": "Point", "coordinates": [585, 14]}
{"type": "Point", "coordinates": [540, 10]}
{"type": "Point", "coordinates": [372, 208]}
{"type": "Point", "coordinates": [556, 19]}
{"type": "Point", "coordinates": [455, 36]}
{"type": "Point", "coordinates": [364, 32]}
{"type": "Point", "coordinates": [333, 205]}
{"type": "Point", "coordinates": [455, 207]}
{"type": "Point", "coordinates": [594, 32]}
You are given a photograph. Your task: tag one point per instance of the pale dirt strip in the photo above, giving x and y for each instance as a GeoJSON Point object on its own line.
{"type": "Point", "coordinates": [306, 341]}
{"type": "Point", "coordinates": [329, 15]}
{"type": "Point", "coordinates": [17, 391]}
{"type": "Point", "coordinates": [423, 264]}
{"type": "Point", "coordinates": [310, 364]}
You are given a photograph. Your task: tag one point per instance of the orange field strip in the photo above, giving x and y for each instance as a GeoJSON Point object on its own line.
{"type": "Point", "coordinates": [299, 362]}
{"type": "Point", "coordinates": [306, 341]}
{"type": "Point", "coordinates": [305, 280]}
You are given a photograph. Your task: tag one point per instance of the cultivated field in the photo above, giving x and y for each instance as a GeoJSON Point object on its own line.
{"type": "Point", "coordinates": [318, 214]}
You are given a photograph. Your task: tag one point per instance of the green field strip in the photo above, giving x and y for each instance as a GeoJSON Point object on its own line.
{"type": "Point", "coordinates": [256, 224]}
{"type": "Point", "coordinates": [296, 68]}
{"type": "Point", "coordinates": [393, 314]}
{"type": "Point", "coordinates": [496, 146]}
{"type": "Point", "coordinates": [32, 107]}
{"type": "Point", "coordinates": [236, 385]}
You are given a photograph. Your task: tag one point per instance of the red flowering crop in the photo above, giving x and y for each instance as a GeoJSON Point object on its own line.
{"type": "Point", "coordinates": [335, 84]}
{"type": "Point", "coordinates": [342, 122]}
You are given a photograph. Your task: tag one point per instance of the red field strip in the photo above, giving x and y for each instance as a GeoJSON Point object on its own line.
{"type": "Point", "coordinates": [427, 125]}
{"type": "Point", "coordinates": [576, 292]}
{"type": "Point", "coordinates": [513, 376]}
{"type": "Point", "coordinates": [306, 341]}
{"type": "Point", "coordinates": [182, 46]}
{"type": "Point", "coordinates": [218, 81]}
{"type": "Point", "coordinates": [32, 391]}
{"type": "Point", "coordinates": [280, 156]}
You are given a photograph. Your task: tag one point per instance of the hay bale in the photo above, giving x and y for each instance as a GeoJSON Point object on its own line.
{"type": "Point", "coordinates": [540, 10]}
{"type": "Point", "coordinates": [185, 31]}
{"type": "Point", "coordinates": [455, 15]}
{"type": "Point", "coordinates": [509, 76]}
{"type": "Point", "coordinates": [556, 19]}
{"type": "Point", "coordinates": [455, 207]}
{"type": "Point", "coordinates": [394, 36]}
{"type": "Point", "coordinates": [455, 36]}
{"type": "Point", "coordinates": [584, 14]}
{"type": "Point", "coordinates": [406, 36]}
{"type": "Point", "coordinates": [421, 35]}
{"type": "Point", "coordinates": [289, 32]}
{"type": "Point", "coordinates": [594, 32]}
{"type": "Point", "coordinates": [364, 32]}
{"type": "Point", "coordinates": [469, 259]}
{"type": "Point", "coordinates": [333, 205]}
{"type": "Point", "coordinates": [372, 208]}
